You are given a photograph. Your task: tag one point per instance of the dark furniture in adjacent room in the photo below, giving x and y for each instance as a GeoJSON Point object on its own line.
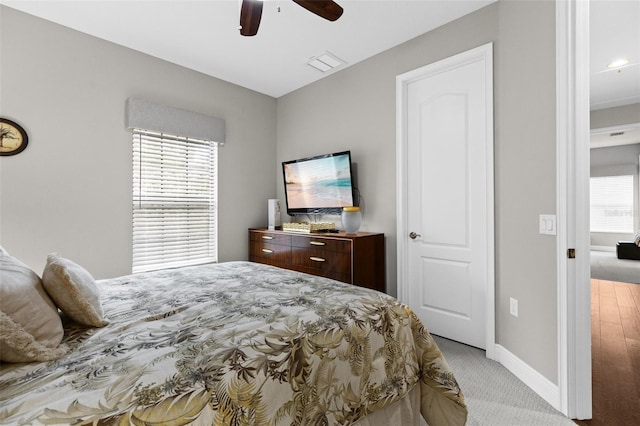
{"type": "Point", "coordinates": [628, 250]}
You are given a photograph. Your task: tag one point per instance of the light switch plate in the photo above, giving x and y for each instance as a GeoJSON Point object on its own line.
{"type": "Point", "coordinates": [548, 224]}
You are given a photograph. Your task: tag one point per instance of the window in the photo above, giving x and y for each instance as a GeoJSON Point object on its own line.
{"type": "Point", "coordinates": [174, 201]}
{"type": "Point", "coordinates": [612, 204]}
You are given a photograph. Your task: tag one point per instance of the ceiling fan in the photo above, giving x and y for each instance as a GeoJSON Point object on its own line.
{"type": "Point", "coordinates": [251, 13]}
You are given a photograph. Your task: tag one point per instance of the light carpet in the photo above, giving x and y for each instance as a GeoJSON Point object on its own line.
{"type": "Point", "coordinates": [605, 265]}
{"type": "Point", "coordinates": [494, 395]}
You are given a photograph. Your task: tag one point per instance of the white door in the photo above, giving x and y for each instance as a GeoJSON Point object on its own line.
{"type": "Point", "coordinates": [447, 211]}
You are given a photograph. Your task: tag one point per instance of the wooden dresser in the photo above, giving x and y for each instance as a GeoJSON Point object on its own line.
{"type": "Point", "coordinates": [352, 258]}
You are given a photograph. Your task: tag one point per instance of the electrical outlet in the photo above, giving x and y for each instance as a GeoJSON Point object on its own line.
{"type": "Point", "coordinates": [513, 306]}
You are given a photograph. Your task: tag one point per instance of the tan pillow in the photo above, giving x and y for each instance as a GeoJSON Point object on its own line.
{"type": "Point", "coordinates": [74, 290]}
{"type": "Point", "coordinates": [30, 325]}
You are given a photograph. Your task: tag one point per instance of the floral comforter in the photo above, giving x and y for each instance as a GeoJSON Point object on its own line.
{"type": "Point", "coordinates": [235, 343]}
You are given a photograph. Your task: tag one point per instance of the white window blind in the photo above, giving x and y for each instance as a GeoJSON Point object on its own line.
{"type": "Point", "coordinates": [174, 201]}
{"type": "Point", "coordinates": [612, 204]}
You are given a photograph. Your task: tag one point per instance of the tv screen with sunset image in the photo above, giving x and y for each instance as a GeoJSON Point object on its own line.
{"type": "Point", "coordinates": [318, 185]}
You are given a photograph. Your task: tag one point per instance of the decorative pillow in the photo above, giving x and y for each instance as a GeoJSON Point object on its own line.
{"type": "Point", "coordinates": [74, 290]}
{"type": "Point", "coordinates": [636, 239]}
{"type": "Point", "coordinates": [30, 325]}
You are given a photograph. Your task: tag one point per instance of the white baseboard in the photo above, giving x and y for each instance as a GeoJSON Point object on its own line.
{"type": "Point", "coordinates": [530, 377]}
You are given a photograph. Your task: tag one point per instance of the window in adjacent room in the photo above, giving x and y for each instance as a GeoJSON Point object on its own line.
{"type": "Point", "coordinates": [612, 204]}
{"type": "Point", "coordinates": [174, 201]}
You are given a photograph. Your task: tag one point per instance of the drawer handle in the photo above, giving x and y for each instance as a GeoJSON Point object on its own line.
{"type": "Point", "coordinates": [317, 259]}
{"type": "Point", "coordinates": [317, 243]}
{"type": "Point", "coordinates": [267, 251]}
{"type": "Point", "coordinates": [267, 237]}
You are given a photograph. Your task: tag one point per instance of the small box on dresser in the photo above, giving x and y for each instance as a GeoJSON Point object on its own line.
{"type": "Point", "coordinates": [357, 259]}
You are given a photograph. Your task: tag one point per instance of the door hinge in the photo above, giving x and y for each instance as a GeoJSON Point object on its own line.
{"type": "Point", "coordinates": [571, 253]}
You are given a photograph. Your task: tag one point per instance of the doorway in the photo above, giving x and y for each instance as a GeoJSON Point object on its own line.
{"type": "Point", "coordinates": [574, 281]}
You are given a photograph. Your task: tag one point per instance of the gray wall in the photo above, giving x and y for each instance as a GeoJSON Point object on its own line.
{"type": "Point", "coordinates": [616, 160]}
{"type": "Point", "coordinates": [526, 182]}
{"type": "Point", "coordinates": [355, 109]}
{"type": "Point", "coordinates": [70, 190]}
{"type": "Point", "coordinates": [617, 116]}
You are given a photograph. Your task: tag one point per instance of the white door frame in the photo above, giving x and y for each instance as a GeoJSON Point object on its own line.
{"type": "Point", "coordinates": [572, 192]}
{"type": "Point", "coordinates": [402, 81]}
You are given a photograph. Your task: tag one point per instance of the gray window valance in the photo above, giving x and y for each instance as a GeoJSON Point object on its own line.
{"type": "Point", "coordinates": [146, 115]}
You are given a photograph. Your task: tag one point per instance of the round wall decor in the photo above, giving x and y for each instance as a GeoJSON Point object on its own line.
{"type": "Point", "coordinates": [13, 138]}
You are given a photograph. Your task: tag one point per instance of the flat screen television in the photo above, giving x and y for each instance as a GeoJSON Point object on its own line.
{"type": "Point", "coordinates": [322, 184]}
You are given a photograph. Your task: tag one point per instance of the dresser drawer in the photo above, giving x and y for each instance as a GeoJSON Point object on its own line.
{"type": "Point", "coordinates": [319, 243]}
{"type": "Point", "coordinates": [269, 237]}
{"type": "Point", "coordinates": [321, 260]}
{"type": "Point", "coordinates": [271, 253]}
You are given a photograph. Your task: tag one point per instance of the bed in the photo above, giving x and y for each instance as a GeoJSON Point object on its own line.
{"type": "Point", "coordinates": [234, 343]}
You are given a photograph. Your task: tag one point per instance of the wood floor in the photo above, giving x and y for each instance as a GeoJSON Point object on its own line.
{"type": "Point", "coordinates": [615, 353]}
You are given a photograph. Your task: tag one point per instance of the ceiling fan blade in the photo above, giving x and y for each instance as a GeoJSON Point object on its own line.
{"type": "Point", "coordinates": [327, 9]}
{"type": "Point", "coordinates": [250, 15]}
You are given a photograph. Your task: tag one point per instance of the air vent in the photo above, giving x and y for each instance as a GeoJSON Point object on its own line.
{"type": "Point", "coordinates": [325, 62]}
{"type": "Point", "coordinates": [616, 134]}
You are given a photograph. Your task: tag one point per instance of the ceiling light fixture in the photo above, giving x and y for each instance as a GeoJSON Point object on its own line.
{"type": "Point", "coordinates": [325, 62]}
{"type": "Point", "coordinates": [618, 63]}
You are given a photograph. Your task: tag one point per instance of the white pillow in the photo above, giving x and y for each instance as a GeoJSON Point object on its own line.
{"type": "Point", "coordinates": [74, 290]}
{"type": "Point", "coordinates": [3, 252]}
{"type": "Point", "coordinates": [30, 325]}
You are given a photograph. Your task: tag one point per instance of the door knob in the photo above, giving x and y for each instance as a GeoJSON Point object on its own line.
{"type": "Point", "coordinates": [413, 235]}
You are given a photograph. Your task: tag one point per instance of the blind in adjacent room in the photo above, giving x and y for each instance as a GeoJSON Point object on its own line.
{"type": "Point", "coordinates": [174, 201]}
{"type": "Point", "coordinates": [612, 204]}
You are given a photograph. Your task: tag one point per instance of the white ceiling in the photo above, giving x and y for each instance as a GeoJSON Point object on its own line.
{"type": "Point", "coordinates": [615, 33]}
{"type": "Point", "coordinates": [203, 35]}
